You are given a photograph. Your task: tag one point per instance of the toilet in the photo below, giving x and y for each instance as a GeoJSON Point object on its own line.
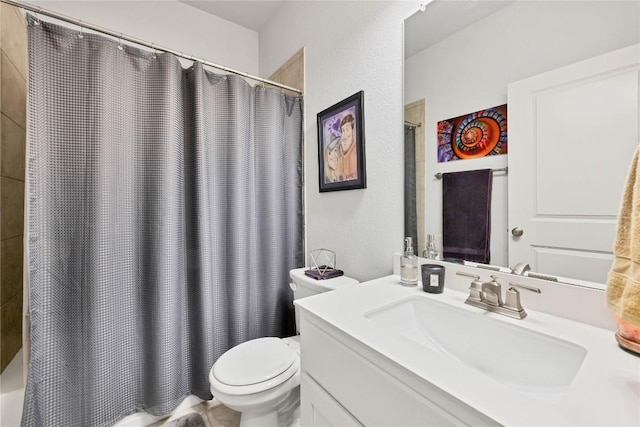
{"type": "Point", "coordinates": [260, 378]}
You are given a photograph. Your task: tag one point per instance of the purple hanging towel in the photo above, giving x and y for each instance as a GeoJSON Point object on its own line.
{"type": "Point", "coordinates": [466, 215]}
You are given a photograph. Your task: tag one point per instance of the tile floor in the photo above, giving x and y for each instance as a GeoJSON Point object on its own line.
{"type": "Point", "coordinates": [213, 412]}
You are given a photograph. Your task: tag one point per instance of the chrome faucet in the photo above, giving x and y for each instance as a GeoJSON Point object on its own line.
{"type": "Point", "coordinates": [520, 268]}
{"type": "Point", "coordinates": [488, 296]}
{"type": "Point", "coordinates": [492, 292]}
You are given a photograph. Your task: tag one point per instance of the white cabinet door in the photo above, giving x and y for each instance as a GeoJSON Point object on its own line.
{"type": "Point", "coordinates": [319, 409]}
{"type": "Point", "coordinates": [572, 134]}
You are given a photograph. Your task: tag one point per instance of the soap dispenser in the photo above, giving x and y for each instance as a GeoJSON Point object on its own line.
{"type": "Point", "coordinates": [408, 265]}
{"type": "Point", "coordinates": [430, 251]}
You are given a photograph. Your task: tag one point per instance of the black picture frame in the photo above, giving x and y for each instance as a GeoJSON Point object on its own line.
{"type": "Point", "coordinates": [341, 165]}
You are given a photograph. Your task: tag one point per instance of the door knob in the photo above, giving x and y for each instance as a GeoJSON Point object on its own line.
{"type": "Point", "coordinates": [517, 231]}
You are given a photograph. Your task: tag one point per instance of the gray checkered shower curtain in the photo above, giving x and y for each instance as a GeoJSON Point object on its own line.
{"type": "Point", "coordinates": [164, 213]}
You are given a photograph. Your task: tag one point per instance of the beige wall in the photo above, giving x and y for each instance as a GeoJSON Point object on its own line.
{"type": "Point", "coordinates": [291, 73]}
{"type": "Point", "coordinates": [13, 102]}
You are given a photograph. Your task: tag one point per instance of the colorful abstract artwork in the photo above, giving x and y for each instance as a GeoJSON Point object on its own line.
{"type": "Point", "coordinates": [479, 134]}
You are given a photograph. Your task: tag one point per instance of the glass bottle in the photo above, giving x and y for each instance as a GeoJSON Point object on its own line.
{"type": "Point", "coordinates": [430, 252]}
{"type": "Point", "coordinates": [408, 265]}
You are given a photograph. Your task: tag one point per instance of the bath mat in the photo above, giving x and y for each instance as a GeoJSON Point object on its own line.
{"type": "Point", "coordinates": [189, 420]}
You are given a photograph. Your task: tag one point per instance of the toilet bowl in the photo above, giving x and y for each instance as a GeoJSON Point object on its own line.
{"type": "Point", "coordinates": [260, 378]}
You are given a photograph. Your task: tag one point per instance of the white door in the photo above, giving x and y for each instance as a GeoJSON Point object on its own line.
{"type": "Point", "coordinates": [572, 134]}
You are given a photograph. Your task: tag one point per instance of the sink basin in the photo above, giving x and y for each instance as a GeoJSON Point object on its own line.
{"type": "Point", "coordinates": [518, 357]}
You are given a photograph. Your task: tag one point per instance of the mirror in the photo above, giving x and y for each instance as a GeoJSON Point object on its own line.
{"type": "Point", "coordinates": [462, 57]}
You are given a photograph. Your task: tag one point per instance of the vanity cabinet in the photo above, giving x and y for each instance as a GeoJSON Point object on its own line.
{"type": "Point", "coordinates": [346, 383]}
{"type": "Point", "coordinates": [381, 354]}
{"type": "Point", "coordinates": [319, 408]}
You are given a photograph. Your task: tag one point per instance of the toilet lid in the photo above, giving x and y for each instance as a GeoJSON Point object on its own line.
{"type": "Point", "coordinates": [253, 362]}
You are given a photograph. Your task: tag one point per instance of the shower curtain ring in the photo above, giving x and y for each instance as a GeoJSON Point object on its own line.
{"type": "Point", "coordinates": [154, 55]}
{"type": "Point", "coordinates": [80, 34]}
{"type": "Point", "coordinates": [120, 42]}
{"type": "Point", "coordinates": [37, 21]}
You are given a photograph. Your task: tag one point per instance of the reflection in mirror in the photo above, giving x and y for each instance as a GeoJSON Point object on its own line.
{"type": "Point", "coordinates": [466, 56]}
{"type": "Point", "coordinates": [414, 173]}
{"type": "Point", "coordinates": [410, 208]}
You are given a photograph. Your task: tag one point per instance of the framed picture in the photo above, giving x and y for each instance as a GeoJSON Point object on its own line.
{"type": "Point", "coordinates": [479, 134]}
{"type": "Point", "coordinates": [341, 160]}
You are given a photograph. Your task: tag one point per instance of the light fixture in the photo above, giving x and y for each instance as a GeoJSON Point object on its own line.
{"type": "Point", "coordinates": [423, 6]}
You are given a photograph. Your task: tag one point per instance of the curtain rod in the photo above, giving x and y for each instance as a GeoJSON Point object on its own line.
{"type": "Point", "coordinates": [120, 36]}
{"type": "Point", "coordinates": [415, 125]}
{"type": "Point", "coordinates": [505, 170]}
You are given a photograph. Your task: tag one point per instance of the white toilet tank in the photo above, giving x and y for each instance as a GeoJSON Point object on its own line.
{"type": "Point", "coordinates": [305, 286]}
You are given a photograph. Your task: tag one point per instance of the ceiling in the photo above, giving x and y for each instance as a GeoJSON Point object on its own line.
{"type": "Point", "coordinates": [442, 18]}
{"type": "Point", "coordinates": [422, 30]}
{"type": "Point", "coordinates": [249, 14]}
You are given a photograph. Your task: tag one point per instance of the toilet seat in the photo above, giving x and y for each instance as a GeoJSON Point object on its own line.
{"type": "Point", "coordinates": [254, 366]}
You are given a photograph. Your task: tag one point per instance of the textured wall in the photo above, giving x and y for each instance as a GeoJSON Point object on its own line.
{"type": "Point", "coordinates": [350, 46]}
{"type": "Point", "coordinates": [13, 103]}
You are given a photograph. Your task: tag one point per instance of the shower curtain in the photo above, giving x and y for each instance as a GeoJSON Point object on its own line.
{"type": "Point", "coordinates": [164, 211]}
{"type": "Point", "coordinates": [410, 209]}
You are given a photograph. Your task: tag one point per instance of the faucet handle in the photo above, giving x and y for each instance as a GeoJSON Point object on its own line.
{"type": "Point", "coordinates": [475, 292]}
{"type": "Point", "coordinates": [512, 298]}
{"type": "Point", "coordinates": [473, 276]}
{"type": "Point", "coordinates": [526, 287]}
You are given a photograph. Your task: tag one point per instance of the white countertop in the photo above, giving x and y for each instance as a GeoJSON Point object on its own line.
{"type": "Point", "coordinates": [605, 391]}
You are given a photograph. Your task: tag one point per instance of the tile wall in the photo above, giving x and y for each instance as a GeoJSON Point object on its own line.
{"type": "Point", "coordinates": [13, 102]}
